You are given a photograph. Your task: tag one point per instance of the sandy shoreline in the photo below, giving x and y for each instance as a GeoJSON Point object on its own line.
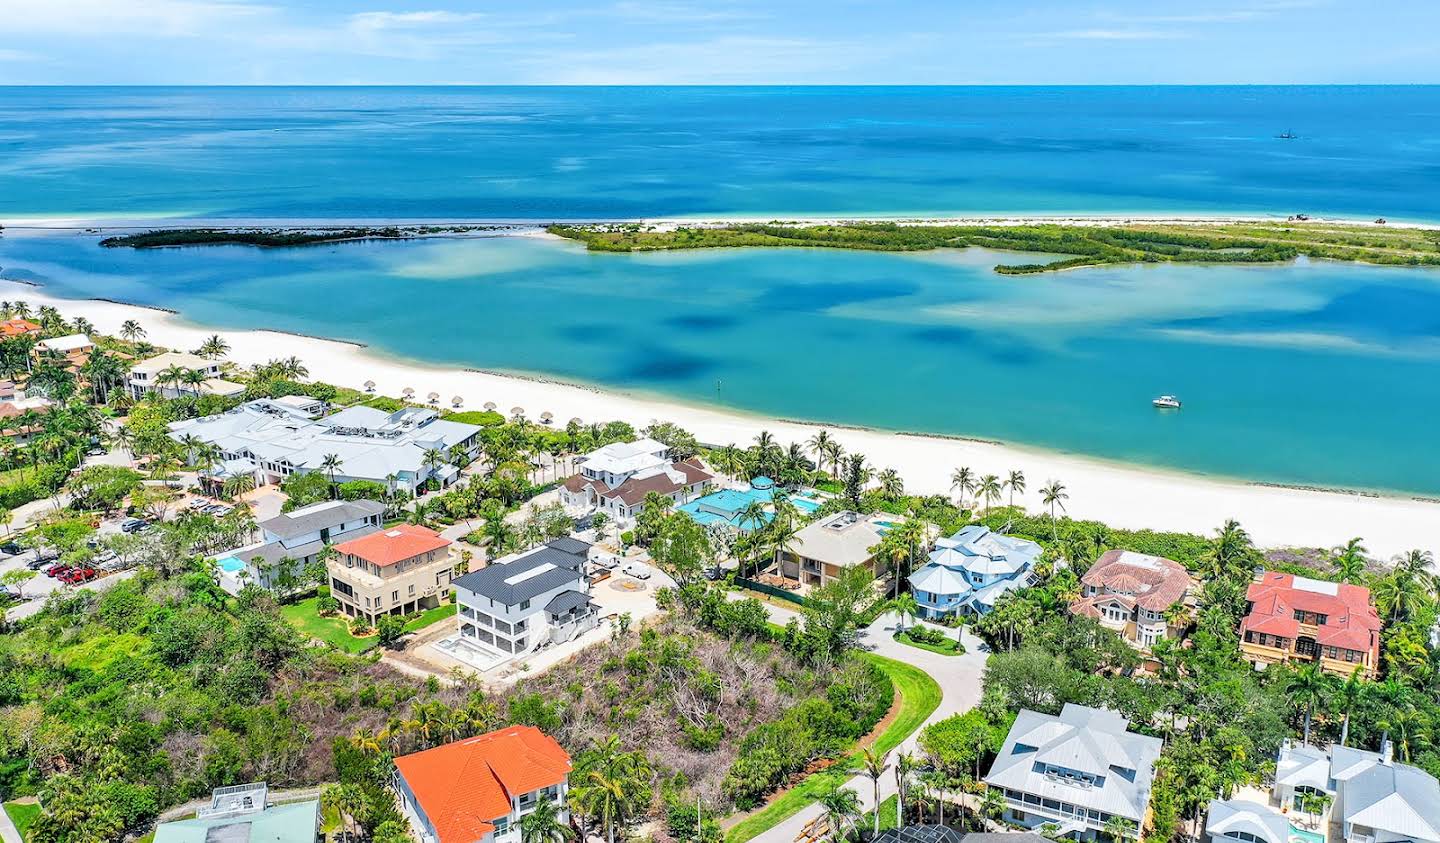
{"type": "Point", "coordinates": [1123, 496]}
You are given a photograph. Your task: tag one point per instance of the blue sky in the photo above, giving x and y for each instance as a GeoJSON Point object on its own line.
{"type": "Point", "coordinates": [718, 42]}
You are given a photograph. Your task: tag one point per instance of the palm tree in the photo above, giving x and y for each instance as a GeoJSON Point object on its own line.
{"type": "Point", "coordinates": [905, 767]}
{"type": "Point", "coordinates": [992, 804]}
{"type": "Point", "coordinates": [1349, 560]}
{"type": "Point", "coordinates": [1231, 548]}
{"type": "Point", "coordinates": [819, 445]}
{"type": "Point", "coordinates": [1053, 495]}
{"type": "Point", "coordinates": [131, 330]}
{"type": "Point", "coordinates": [905, 606]}
{"type": "Point", "coordinates": [891, 485]}
{"type": "Point", "coordinates": [543, 825]}
{"type": "Point", "coordinates": [1349, 694]}
{"type": "Point", "coordinates": [346, 799]}
{"type": "Point", "coordinates": [610, 782]}
{"type": "Point", "coordinates": [214, 347]}
{"type": "Point", "coordinates": [1307, 687]}
{"type": "Point", "coordinates": [194, 378]}
{"type": "Point", "coordinates": [239, 485]}
{"type": "Point", "coordinates": [841, 807]}
{"type": "Point", "coordinates": [1015, 483]}
{"type": "Point", "coordinates": [1119, 829]}
{"type": "Point", "coordinates": [875, 767]}
{"type": "Point", "coordinates": [963, 479]}
{"type": "Point", "coordinates": [331, 464]}
{"type": "Point", "coordinates": [835, 451]}
{"type": "Point", "coordinates": [990, 489]}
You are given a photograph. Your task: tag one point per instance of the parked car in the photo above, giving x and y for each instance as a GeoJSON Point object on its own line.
{"type": "Point", "coordinates": [11, 547]}
{"type": "Point", "coordinates": [37, 563]}
{"type": "Point", "coordinates": [637, 570]}
{"type": "Point", "coordinates": [131, 525]}
{"type": "Point", "coordinates": [606, 562]}
{"type": "Point", "coordinates": [79, 575]}
{"type": "Point", "coordinates": [714, 573]}
{"type": "Point", "coordinates": [220, 510]}
{"type": "Point", "coordinates": [56, 570]}
{"type": "Point", "coordinates": [198, 503]}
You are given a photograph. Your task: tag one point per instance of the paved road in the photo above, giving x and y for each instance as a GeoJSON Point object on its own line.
{"type": "Point", "coordinates": [959, 678]}
{"type": "Point", "coordinates": [8, 832]}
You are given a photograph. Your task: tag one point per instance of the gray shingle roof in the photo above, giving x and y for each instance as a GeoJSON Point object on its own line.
{"type": "Point", "coordinates": [320, 516]}
{"type": "Point", "coordinates": [502, 582]}
{"type": "Point", "coordinates": [566, 601]}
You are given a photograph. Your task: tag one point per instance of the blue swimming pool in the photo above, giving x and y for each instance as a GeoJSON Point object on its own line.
{"type": "Point", "coordinates": [1300, 835]}
{"type": "Point", "coordinates": [230, 564]}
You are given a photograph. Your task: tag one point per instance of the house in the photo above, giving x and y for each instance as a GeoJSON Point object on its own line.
{"type": "Point", "coordinates": [397, 571]}
{"type": "Point", "coordinates": [829, 546]}
{"type": "Point", "coordinates": [1130, 592]}
{"type": "Point", "coordinates": [518, 603]}
{"type": "Point", "coordinates": [476, 790]}
{"type": "Point", "coordinates": [970, 570]}
{"type": "Point", "coordinates": [148, 376]}
{"type": "Point", "coordinates": [74, 350]}
{"type": "Point", "coordinates": [1077, 771]}
{"type": "Point", "coordinates": [1297, 619]}
{"type": "Point", "coordinates": [15, 408]}
{"type": "Point", "coordinates": [1374, 799]}
{"type": "Point", "coordinates": [299, 536]}
{"type": "Point", "coordinates": [616, 478]}
{"type": "Point", "coordinates": [1231, 820]}
{"type": "Point", "coordinates": [270, 441]}
{"type": "Point", "coordinates": [18, 328]}
{"type": "Point", "coordinates": [242, 813]}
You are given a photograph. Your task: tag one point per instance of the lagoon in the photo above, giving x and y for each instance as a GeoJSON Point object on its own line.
{"type": "Point", "coordinates": [1319, 373]}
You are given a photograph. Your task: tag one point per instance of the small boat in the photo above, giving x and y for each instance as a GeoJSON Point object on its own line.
{"type": "Point", "coordinates": [1167, 402]}
{"type": "Point", "coordinates": [1287, 135]}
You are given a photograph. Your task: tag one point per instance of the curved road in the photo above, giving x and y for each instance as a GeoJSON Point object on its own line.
{"type": "Point", "coordinates": [959, 678]}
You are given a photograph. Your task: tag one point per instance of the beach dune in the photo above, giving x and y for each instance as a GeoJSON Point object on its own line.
{"type": "Point", "coordinates": [1119, 495]}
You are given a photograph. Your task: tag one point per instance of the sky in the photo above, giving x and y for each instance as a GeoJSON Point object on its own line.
{"type": "Point", "coordinates": [798, 42]}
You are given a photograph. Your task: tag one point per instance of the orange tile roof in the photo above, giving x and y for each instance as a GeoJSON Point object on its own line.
{"type": "Point", "coordinates": [463, 786]}
{"type": "Point", "coordinates": [389, 547]}
{"type": "Point", "coordinates": [1351, 621]}
{"type": "Point", "coordinates": [16, 327]}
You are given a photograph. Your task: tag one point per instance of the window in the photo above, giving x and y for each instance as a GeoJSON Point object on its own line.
{"type": "Point", "coordinates": [524, 604]}
{"type": "Point", "coordinates": [394, 596]}
{"type": "Point", "coordinates": [502, 826]}
{"type": "Point", "coordinates": [412, 589]}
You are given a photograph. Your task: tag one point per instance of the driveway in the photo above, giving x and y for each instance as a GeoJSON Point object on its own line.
{"type": "Point", "coordinates": [42, 585]}
{"type": "Point", "coordinates": [959, 678]}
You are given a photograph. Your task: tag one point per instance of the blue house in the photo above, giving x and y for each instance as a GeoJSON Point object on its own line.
{"type": "Point", "coordinates": [970, 570]}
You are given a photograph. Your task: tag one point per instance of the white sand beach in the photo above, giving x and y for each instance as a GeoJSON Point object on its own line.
{"type": "Point", "coordinates": [1120, 495]}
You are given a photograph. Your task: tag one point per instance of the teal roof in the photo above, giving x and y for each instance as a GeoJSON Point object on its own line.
{"type": "Point", "coordinates": [292, 823]}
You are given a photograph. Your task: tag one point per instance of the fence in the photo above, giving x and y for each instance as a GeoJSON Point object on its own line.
{"type": "Point", "coordinates": [752, 585]}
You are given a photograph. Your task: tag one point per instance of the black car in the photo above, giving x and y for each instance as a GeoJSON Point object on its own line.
{"type": "Point", "coordinates": [12, 548]}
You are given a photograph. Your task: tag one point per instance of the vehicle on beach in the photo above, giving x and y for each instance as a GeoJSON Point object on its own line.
{"type": "Point", "coordinates": [1166, 402]}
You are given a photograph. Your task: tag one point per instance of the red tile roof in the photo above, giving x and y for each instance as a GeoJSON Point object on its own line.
{"type": "Point", "coordinates": [16, 327]}
{"type": "Point", "coordinates": [389, 547]}
{"type": "Point", "coordinates": [1351, 621]}
{"type": "Point", "coordinates": [463, 786]}
{"type": "Point", "coordinates": [1155, 583]}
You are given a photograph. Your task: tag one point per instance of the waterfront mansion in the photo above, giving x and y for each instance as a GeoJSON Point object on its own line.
{"type": "Point", "coordinates": [616, 478]}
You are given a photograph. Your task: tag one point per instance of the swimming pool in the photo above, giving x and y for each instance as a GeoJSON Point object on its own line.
{"type": "Point", "coordinates": [230, 564]}
{"type": "Point", "coordinates": [1300, 835]}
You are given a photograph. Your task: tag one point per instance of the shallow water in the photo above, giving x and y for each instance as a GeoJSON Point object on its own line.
{"type": "Point", "coordinates": [1324, 374]}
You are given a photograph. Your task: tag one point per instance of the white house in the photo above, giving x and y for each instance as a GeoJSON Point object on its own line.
{"type": "Point", "coordinates": [970, 570]}
{"type": "Point", "coordinates": [1076, 771]}
{"type": "Point", "coordinates": [1375, 799]}
{"type": "Point", "coordinates": [478, 789]}
{"type": "Point", "coordinates": [272, 440]}
{"type": "Point", "coordinates": [1243, 821]}
{"type": "Point", "coordinates": [146, 376]}
{"type": "Point", "coordinates": [298, 535]}
{"type": "Point", "coordinates": [616, 478]}
{"type": "Point", "coordinates": [518, 603]}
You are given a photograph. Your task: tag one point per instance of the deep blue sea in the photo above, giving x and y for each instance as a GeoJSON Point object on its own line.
{"type": "Point", "coordinates": [1324, 374]}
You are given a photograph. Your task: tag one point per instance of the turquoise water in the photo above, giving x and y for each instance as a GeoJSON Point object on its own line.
{"type": "Point", "coordinates": [548, 153]}
{"type": "Point", "coordinates": [230, 564]}
{"type": "Point", "coordinates": [1325, 374]}
{"type": "Point", "coordinates": [1300, 835]}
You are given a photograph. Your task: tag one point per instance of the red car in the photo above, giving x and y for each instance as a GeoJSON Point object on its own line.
{"type": "Point", "coordinates": [57, 571]}
{"type": "Point", "coordinates": [79, 575]}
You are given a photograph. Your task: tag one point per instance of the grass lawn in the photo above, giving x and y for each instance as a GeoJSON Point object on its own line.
{"type": "Point", "coordinates": [887, 816]}
{"type": "Point", "coordinates": [23, 815]}
{"type": "Point", "coordinates": [429, 616]}
{"type": "Point", "coordinates": [919, 696]}
{"type": "Point", "coordinates": [332, 630]}
{"type": "Point", "coordinates": [951, 647]}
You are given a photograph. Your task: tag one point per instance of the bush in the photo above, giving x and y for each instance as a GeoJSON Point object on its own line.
{"type": "Point", "coordinates": [327, 605]}
{"type": "Point", "coordinates": [627, 538]}
{"type": "Point", "coordinates": [390, 628]}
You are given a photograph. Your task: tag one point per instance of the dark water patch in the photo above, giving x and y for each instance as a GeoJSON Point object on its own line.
{"type": "Point", "coordinates": [821, 296]}
{"type": "Point", "coordinates": [702, 322]}
{"type": "Point", "coordinates": [659, 364]}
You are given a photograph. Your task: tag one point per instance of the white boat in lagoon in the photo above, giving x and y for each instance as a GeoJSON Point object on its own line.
{"type": "Point", "coordinates": [1167, 402]}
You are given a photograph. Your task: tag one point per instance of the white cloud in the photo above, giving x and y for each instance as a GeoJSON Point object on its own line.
{"type": "Point", "coordinates": [727, 60]}
{"type": "Point", "coordinates": [375, 21]}
{"type": "Point", "coordinates": [107, 17]}
{"type": "Point", "coordinates": [1122, 34]}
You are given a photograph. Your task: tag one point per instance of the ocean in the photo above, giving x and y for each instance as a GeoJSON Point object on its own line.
{"type": "Point", "coordinates": [1318, 374]}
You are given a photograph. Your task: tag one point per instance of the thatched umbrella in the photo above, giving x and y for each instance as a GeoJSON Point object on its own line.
{"type": "Point", "coordinates": [369, 386]}
{"type": "Point", "coordinates": [407, 393]}
{"type": "Point", "coordinates": [456, 401]}
{"type": "Point", "coordinates": [577, 420]}
{"type": "Point", "coordinates": [433, 398]}
{"type": "Point", "coordinates": [517, 412]}
{"type": "Point", "coordinates": [489, 406]}
{"type": "Point", "coordinates": [546, 417]}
